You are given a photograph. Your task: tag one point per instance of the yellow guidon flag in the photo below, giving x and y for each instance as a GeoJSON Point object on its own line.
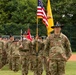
{"type": "Point", "coordinates": [50, 18]}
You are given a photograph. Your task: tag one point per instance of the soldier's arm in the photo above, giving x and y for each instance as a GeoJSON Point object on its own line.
{"type": "Point", "coordinates": [10, 49]}
{"type": "Point", "coordinates": [6, 45]}
{"type": "Point", "coordinates": [43, 45]}
{"type": "Point", "coordinates": [4, 55]}
{"type": "Point", "coordinates": [3, 46]}
{"type": "Point", "coordinates": [42, 48]}
{"type": "Point", "coordinates": [33, 44]}
{"type": "Point", "coordinates": [30, 47]}
{"type": "Point", "coordinates": [68, 48]}
{"type": "Point", "coordinates": [46, 47]}
{"type": "Point", "coordinates": [20, 45]}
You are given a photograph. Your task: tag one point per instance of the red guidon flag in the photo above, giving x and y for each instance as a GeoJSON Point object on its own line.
{"type": "Point", "coordinates": [29, 35]}
{"type": "Point", "coordinates": [41, 12]}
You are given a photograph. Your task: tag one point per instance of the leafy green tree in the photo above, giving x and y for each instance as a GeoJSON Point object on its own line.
{"type": "Point", "coordinates": [21, 14]}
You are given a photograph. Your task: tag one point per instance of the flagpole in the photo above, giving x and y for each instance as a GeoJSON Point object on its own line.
{"type": "Point", "coordinates": [37, 37]}
{"type": "Point", "coordinates": [21, 35]}
{"type": "Point", "coordinates": [37, 28]}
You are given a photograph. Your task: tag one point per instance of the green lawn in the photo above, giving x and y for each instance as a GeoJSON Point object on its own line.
{"type": "Point", "coordinates": [74, 52]}
{"type": "Point", "coordinates": [70, 70]}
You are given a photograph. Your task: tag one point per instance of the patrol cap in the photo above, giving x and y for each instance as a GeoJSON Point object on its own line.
{"type": "Point", "coordinates": [57, 25]}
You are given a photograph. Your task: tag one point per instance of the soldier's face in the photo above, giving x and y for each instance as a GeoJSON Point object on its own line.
{"type": "Point", "coordinates": [12, 38]}
{"type": "Point", "coordinates": [57, 29]}
{"type": "Point", "coordinates": [24, 36]}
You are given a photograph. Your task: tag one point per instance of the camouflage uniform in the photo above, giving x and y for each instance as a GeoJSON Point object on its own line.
{"type": "Point", "coordinates": [14, 51]}
{"type": "Point", "coordinates": [25, 55]}
{"type": "Point", "coordinates": [2, 51]}
{"type": "Point", "coordinates": [46, 64]}
{"type": "Point", "coordinates": [36, 60]}
{"type": "Point", "coordinates": [9, 61]}
{"type": "Point", "coordinates": [59, 52]}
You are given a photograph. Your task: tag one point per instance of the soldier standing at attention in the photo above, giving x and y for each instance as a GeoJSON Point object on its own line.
{"type": "Point", "coordinates": [46, 64]}
{"type": "Point", "coordinates": [59, 49]}
{"type": "Point", "coordinates": [2, 51]}
{"type": "Point", "coordinates": [8, 44]}
{"type": "Point", "coordinates": [14, 51]}
{"type": "Point", "coordinates": [25, 49]}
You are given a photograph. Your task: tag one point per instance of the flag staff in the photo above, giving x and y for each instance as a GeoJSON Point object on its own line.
{"type": "Point", "coordinates": [37, 30]}
{"type": "Point", "coordinates": [37, 43]}
{"type": "Point", "coordinates": [37, 38]}
{"type": "Point", "coordinates": [21, 35]}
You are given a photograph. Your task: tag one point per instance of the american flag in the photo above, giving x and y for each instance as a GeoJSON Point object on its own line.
{"type": "Point", "coordinates": [41, 12]}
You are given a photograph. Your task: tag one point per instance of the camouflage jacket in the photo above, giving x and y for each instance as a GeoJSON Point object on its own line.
{"type": "Point", "coordinates": [1, 46]}
{"type": "Point", "coordinates": [38, 47]}
{"type": "Point", "coordinates": [8, 44]}
{"type": "Point", "coordinates": [27, 47]}
{"type": "Point", "coordinates": [14, 50]}
{"type": "Point", "coordinates": [57, 47]}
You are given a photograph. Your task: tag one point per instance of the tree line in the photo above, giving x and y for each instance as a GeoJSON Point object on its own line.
{"type": "Point", "coordinates": [21, 14]}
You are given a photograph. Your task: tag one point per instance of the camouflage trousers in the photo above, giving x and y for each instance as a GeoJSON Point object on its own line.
{"type": "Point", "coordinates": [46, 66]}
{"type": "Point", "coordinates": [15, 64]}
{"type": "Point", "coordinates": [2, 60]}
{"type": "Point", "coordinates": [24, 63]}
{"type": "Point", "coordinates": [10, 62]}
{"type": "Point", "coordinates": [1, 64]}
{"type": "Point", "coordinates": [37, 65]}
{"type": "Point", "coordinates": [57, 67]}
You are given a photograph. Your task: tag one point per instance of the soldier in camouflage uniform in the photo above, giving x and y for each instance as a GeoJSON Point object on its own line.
{"type": "Point", "coordinates": [2, 51]}
{"type": "Point", "coordinates": [14, 51]}
{"type": "Point", "coordinates": [8, 44]}
{"type": "Point", "coordinates": [37, 54]}
{"type": "Point", "coordinates": [25, 49]}
{"type": "Point", "coordinates": [59, 50]}
{"type": "Point", "coordinates": [46, 64]}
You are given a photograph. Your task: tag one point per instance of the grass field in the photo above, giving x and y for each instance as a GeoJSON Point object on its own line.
{"type": "Point", "coordinates": [70, 70]}
{"type": "Point", "coordinates": [74, 52]}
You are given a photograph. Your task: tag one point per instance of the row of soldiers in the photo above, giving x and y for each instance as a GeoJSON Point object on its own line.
{"type": "Point", "coordinates": [7, 48]}
{"type": "Point", "coordinates": [23, 52]}
{"type": "Point", "coordinates": [52, 52]}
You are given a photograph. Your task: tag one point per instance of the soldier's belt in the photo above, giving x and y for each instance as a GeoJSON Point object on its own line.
{"type": "Point", "coordinates": [24, 50]}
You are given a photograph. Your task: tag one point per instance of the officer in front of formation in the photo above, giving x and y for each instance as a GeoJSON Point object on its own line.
{"type": "Point", "coordinates": [57, 51]}
{"type": "Point", "coordinates": [25, 50]}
